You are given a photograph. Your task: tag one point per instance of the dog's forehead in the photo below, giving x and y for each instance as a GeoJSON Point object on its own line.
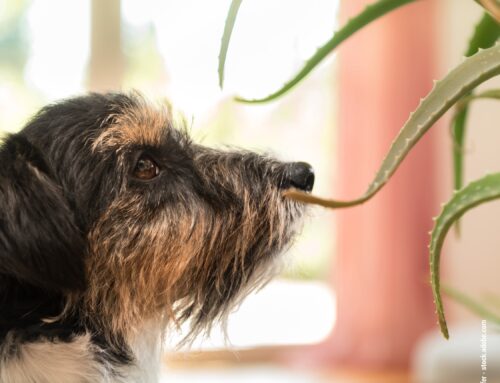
{"type": "Point", "coordinates": [139, 123]}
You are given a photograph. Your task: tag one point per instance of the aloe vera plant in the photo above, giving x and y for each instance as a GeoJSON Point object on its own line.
{"type": "Point", "coordinates": [370, 13]}
{"type": "Point", "coordinates": [485, 35]}
{"type": "Point", "coordinates": [458, 83]}
{"type": "Point", "coordinates": [454, 89]}
{"type": "Point", "coordinates": [474, 194]}
{"type": "Point", "coordinates": [473, 305]}
{"type": "Point", "coordinates": [446, 92]}
{"type": "Point", "coordinates": [492, 7]}
{"type": "Point", "coordinates": [226, 37]}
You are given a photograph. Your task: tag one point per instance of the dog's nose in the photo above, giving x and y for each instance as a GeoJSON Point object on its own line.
{"type": "Point", "coordinates": [300, 175]}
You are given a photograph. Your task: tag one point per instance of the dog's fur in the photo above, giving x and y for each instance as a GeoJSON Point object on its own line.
{"type": "Point", "coordinates": [96, 261]}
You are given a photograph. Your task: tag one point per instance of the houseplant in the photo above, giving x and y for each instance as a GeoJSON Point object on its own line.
{"type": "Point", "coordinates": [457, 89]}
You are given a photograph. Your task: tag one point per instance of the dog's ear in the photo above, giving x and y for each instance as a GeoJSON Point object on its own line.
{"type": "Point", "coordinates": [40, 243]}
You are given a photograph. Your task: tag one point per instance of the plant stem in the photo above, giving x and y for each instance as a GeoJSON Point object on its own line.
{"type": "Point", "coordinates": [493, 7]}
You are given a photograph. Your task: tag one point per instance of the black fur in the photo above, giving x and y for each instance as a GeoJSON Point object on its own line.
{"type": "Point", "coordinates": [54, 186]}
{"type": "Point", "coordinates": [50, 191]}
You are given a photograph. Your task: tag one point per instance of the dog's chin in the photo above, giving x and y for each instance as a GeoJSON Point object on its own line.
{"type": "Point", "coordinates": [201, 321]}
{"type": "Point", "coordinates": [211, 306]}
{"type": "Point", "coordinates": [116, 221]}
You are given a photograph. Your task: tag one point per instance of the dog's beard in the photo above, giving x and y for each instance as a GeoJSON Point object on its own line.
{"type": "Point", "coordinates": [194, 259]}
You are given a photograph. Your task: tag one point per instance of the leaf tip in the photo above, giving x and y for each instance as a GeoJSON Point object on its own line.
{"type": "Point", "coordinates": [444, 329]}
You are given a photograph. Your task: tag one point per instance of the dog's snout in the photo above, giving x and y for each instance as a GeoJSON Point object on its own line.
{"type": "Point", "coordinates": [299, 175]}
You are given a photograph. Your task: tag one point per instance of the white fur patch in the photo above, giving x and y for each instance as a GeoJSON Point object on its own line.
{"type": "Point", "coordinates": [147, 349]}
{"type": "Point", "coordinates": [52, 362]}
{"type": "Point", "coordinates": [45, 361]}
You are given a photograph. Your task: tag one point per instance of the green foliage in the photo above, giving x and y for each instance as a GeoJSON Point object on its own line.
{"type": "Point", "coordinates": [226, 37]}
{"type": "Point", "coordinates": [458, 83]}
{"type": "Point", "coordinates": [454, 89]}
{"type": "Point", "coordinates": [371, 13]}
{"type": "Point", "coordinates": [485, 35]}
{"type": "Point", "coordinates": [472, 304]}
{"type": "Point", "coordinates": [491, 94]}
{"type": "Point", "coordinates": [474, 194]}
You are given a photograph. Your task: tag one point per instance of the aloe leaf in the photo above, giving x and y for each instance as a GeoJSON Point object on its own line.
{"type": "Point", "coordinates": [492, 299]}
{"type": "Point", "coordinates": [471, 304]}
{"type": "Point", "coordinates": [226, 37]}
{"type": "Point", "coordinates": [458, 131]}
{"type": "Point", "coordinates": [369, 14]}
{"type": "Point", "coordinates": [474, 194]}
{"type": "Point", "coordinates": [464, 102]}
{"type": "Point", "coordinates": [492, 7]}
{"type": "Point", "coordinates": [485, 35]}
{"type": "Point", "coordinates": [459, 82]}
{"type": "Point", "coordinates": [491, 93]}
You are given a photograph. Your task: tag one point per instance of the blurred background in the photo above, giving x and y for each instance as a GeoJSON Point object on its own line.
{"type": "Point", "coordinates": [353, 303]}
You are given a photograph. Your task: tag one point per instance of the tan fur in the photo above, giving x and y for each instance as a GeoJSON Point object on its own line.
{"type": "Point", "coordinates": [134, 267]}
{"type": "Point", "coordinates": [140, 269]}
{"type": "Point", "coordinates": [143, 124]}
{"type": "Point", "coordinates": [181, 262]}
{"type": "Point", "coordinates": [187, 245]}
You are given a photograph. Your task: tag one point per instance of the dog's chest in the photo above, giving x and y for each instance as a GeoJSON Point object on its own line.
{"type": "Point", "coordinates": [78, 361]}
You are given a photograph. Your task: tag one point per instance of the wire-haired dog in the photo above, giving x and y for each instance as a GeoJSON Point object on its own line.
{"type": "Point", "coordinates": [113, 225]}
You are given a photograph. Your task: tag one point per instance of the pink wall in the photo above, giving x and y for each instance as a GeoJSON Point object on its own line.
{"type": "Point", "coordinates": [381, 274]}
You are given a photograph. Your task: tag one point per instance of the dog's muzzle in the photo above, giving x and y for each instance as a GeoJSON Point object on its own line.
{"type": "Point", "coordinates": [299, 175]}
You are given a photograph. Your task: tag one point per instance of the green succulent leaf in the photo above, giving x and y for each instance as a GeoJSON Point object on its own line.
{"type": "Point", "coordinates": [226, 37]}
{"type": "Point", "coordinates": [472, 304]}
{"type": "Point", "coordinates": [485, 35]}
{"type": "Point", "coordinates": [492, 7]}
{"type": "Point", "coordinates": [459, 82]}
{"type": "Point", "coordinates": [369, 14]}
{"type": "Point", "coordinates": [458, 128]}
{"type": "Point", "coordinates": [464, 102]}
{"type": "Point", "coordinates": [474, 194]}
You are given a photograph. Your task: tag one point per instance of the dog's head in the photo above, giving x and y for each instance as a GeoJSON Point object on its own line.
{"type": "Point", "coordinates": [105, 201]}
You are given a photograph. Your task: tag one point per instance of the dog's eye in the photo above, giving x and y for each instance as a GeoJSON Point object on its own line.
{"type": "Point", "coordinates": [146, 168]}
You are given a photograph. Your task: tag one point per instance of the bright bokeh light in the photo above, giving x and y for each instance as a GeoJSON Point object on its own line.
{"type": "Point", "coordinates": [284, 313]}
{"type": "Point", "coordinates": [171, 49]}
{"type": "Point", "coordinates": [270, 41]}
{"type": "Point", "coordinates": [59, 47]}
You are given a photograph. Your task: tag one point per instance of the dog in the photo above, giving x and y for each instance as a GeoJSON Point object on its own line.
{"type": "Point", "coordinates": [115, 226]}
